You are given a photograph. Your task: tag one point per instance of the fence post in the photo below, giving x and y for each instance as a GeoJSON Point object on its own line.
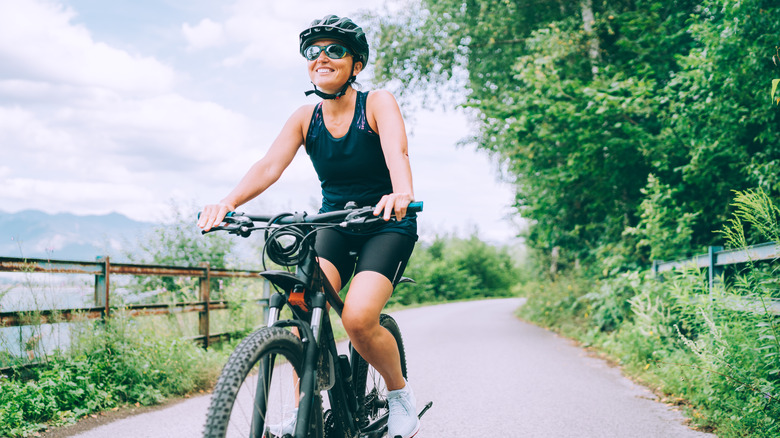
{"type": "Point", "coordinates": [204, 283]}
{"type": "Point", "coordinates": [714, 271]}
{"type": "Point", "coordinates": [102, 283]}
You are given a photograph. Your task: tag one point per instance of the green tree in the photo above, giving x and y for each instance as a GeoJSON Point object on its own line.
{"type": "Point", "coordinates": [583, 101]}
{"type": "Point", "coordinates": [720, 133]}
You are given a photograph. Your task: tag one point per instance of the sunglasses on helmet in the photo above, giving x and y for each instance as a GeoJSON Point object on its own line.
{"type": "Point", "coordinates": [332, 51]}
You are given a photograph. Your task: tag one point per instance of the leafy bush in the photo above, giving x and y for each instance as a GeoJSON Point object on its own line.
{"type": "Point", "coordinates": [662, 228]}
{"type": "Point", "coordinates": [112, 364]}
{"type": "Point", "coordinates": [451, 268]}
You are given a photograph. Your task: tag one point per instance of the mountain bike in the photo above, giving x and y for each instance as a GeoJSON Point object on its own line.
{"type": "Point", "coordinates": [277, 375]}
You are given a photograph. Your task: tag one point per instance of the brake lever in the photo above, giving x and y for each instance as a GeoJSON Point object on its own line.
{"type": "Point", "coordinates": [359, 217]}
{"type": "Point", "coordinates": [237, 224]}
{"type": "Point", "coordinates": [237, 218]}
{"type": "Point", "coordinates": [363, 217]}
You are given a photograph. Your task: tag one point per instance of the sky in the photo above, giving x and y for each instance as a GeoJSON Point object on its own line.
{"type": "Point", "coordinates": [131, 105]}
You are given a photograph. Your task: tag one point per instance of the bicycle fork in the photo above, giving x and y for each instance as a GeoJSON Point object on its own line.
{"type": "Point", "coordinates": [309, 394]}
{"type": "Point", "coordinates": [309, 334]}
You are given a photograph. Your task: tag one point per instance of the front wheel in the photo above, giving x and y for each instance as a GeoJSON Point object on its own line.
{"type": "Point", "coordinates": [256, 394]}
{"type": "Point", "coordinates": [370, 386]}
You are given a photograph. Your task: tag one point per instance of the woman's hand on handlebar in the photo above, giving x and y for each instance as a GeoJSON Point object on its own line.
{"type": "Point", "coordinates": [394, 202]}
{"type": "Point", "coordinates": [213, 215]}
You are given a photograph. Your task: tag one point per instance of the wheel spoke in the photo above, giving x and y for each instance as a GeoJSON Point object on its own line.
{"type": "Point", "coordinates": [370, 385]}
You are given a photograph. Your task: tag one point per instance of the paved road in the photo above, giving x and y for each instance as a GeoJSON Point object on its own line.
{"type": "Point", "coordinates": [516, 380]}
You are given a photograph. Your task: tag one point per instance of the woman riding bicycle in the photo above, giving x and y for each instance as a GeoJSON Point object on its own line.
{"type": "Point", "coordinates": [358, 146]}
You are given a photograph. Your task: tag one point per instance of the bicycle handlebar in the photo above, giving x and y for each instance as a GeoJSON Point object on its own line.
{"type": "Point", "coordinates": [243, 224]}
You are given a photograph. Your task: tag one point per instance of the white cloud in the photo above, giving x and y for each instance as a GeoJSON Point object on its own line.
{"type": "Point", "coordinates": [167, 124]}
{"type": "Point", "coordinates": [457, 185]}
{"type": "Point", "coordinates": [103, 131]}
{"type": "Point", "coordinates": [23, 132]}
{"type": "Point", "coordinates": [39, 42]}
{"type": "Point", "coordinates": [204, 35]}
{"type": "Point", "coordinates": [90, 128]}
{"type": "Point", "coordinates": [265, 31]}
{"type": "Point", "coordinates": [158, 134]}
{"type": "Point", "coordinates": [62, 195]}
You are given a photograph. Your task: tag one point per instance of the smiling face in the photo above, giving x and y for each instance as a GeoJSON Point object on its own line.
{"type": "Point", "coordinates": [331, 74]}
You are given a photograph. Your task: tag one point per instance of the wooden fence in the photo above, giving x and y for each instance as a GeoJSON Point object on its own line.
{"type": "Point", "coordinates": [717, 258]}
{"type": "Point", "coordinates": [103, 270]}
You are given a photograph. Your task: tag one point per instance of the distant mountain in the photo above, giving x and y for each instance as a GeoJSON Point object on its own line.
{"type": "Point", "coordinates": [65, 236]}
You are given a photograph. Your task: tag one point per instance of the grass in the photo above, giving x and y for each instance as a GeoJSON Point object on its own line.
{"type": "Point", "coordinates": [722, 364]}
{"type": "Point", "coordinates": [103, 365]}
{"type": "Point", "coordinates": [109, 365]}
{"type": "Point", "coordinates": [719, 363]}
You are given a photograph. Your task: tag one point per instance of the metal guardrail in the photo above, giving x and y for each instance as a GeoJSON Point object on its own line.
{"type": "Point", "coordinates": [716, 259]}
{"type": "Point", "coordinates": [719, 257]}
{"type": "Point", "coordinates": [103, 269]}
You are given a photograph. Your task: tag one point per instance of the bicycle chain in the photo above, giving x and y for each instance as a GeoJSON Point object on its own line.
{"type": "Point", "coordinates": [330, 426]}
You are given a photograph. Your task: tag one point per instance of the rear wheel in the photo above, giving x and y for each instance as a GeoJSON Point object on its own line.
{"type": "Point", "coordinates": [256, 394]}
{"type": "Point", "coordinates": [370, 386]}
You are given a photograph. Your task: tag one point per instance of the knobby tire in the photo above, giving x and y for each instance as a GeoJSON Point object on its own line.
{"type": "Point", "coordinates": [248, 399]}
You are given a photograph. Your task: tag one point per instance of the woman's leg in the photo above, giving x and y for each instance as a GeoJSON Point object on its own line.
{"type": "Point", "coordinates": [365, 300]}
{"type": "Point", "coordinates": [367, 295]}
{"type": "Point", "coordinates": [381, 262]}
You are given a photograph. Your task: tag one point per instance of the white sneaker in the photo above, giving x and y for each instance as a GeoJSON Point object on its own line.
{"type": "Point", "coordinates": [403, 421]}
{"type": "Point", "coordinates": [286, 427]}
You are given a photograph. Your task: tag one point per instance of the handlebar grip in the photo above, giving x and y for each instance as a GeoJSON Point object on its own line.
{"type": "Point", "coordinates": [415, 207]}
{"type": "Point", "coordinates": [229, 214]}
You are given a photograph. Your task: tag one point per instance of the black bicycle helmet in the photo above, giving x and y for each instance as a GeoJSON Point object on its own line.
{"type": "Point", "coordinates": [344, 30]}
{"type": "Point", "coordinates": [341, 29]}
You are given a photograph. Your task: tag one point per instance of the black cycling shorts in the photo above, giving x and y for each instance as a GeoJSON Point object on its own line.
{"type": "Point", "coordinates": [385, 253]}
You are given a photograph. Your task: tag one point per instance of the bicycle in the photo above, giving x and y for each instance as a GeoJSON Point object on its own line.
{"type": "Point", "coordinates": [273, 370]}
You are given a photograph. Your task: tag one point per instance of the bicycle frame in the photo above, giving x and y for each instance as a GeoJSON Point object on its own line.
{"type": "Point", "coordinates": [309, 287]}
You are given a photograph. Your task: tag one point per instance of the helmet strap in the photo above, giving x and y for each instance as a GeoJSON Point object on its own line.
{"type": "Point", "coordinates": [336, 95]}
{"type": "Point", "coordinates": [339, 93]}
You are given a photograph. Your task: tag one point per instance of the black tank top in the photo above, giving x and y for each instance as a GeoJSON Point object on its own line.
{"type": "Point", "coordinates": [352, 167]}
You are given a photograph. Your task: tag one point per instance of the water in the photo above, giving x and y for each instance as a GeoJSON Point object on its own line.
{"type": "Point", "coordinates": [30, 343]}
{"type": "Point", "coordinates": [26, 291]}
{"type": "Point", "coordinates": [37, 292]}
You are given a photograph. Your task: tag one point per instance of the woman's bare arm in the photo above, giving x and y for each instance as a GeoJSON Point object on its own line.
{"type": "Point", "coordinates": [264, 172]}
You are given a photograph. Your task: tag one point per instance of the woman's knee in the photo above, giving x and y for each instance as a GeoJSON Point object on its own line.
{"type": "Point", "coordinates": [358, 323]}
{"type": "Point", "coordinates": [365, 300]}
